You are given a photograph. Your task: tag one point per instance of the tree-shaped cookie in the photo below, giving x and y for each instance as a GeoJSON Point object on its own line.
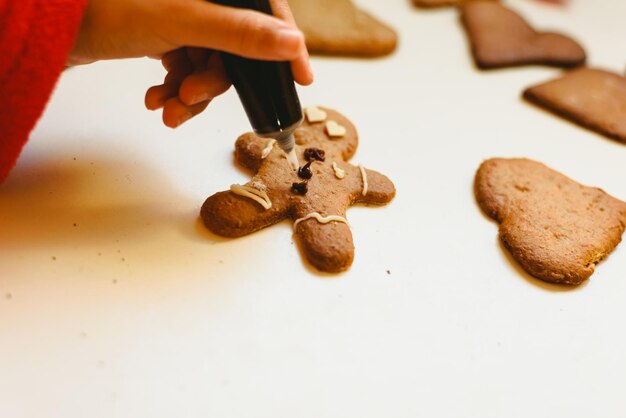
{"type": "Point", "coordinates": [554, 227]}
{"type": "Point", "coordinates": [315, 198]}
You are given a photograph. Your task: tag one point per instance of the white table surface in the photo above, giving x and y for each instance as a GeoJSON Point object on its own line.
{"type": "Point", "coordinates": [138, 312]}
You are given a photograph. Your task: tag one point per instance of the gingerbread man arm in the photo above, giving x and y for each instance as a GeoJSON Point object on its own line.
{"type": "Point", "coordinates": [372, 188]}
{"type": "Point", "coordinates": [380, 190]}
{"type": "Point", "coordinates": [250, 150]}
{"type": "Point", "coordinates": [231, 215]}
{"type": "Point", "coordinates": [314, 238]}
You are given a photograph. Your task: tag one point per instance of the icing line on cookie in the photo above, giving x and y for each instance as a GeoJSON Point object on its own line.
{"type": "Point", "coordinates": [365, 184]}
{"type": "Point", "coordinates": [321, 219]}
{"type": "Point", "coordinates": [339, 173]}
{"type": "Point", "coordinates": [268, 149]}
{"type": "Point", "coordinates": [250, 192]}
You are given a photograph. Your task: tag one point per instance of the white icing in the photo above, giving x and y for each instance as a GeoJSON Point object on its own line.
{"type": "Point", "coordinates": [321, 219]}
{"type": "Point", "coordinates": [268, 148]}
{"type": "Point", "coordinates": [365, 184]}
{"type": "Point", "coordinates": [292, 158]}
{"type": "Point", "coordinates": [258, 185]}
{"type": "Point", "coordinates": [250, 192]}
{"type": "Point", "coordinates": [335, 130]}
{"type": "Point", "coordinates": [315, 114]}
{"type": "Point", "coordinates": [339, 173]}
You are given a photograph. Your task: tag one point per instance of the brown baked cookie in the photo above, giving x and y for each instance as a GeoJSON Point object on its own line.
{"type": "Point", "coordinates": [315, 198]}
{"type": "Point", "coordinates": [595, 99]}
{"type": "Point", "coordinates": [338, 27]}
{"type": "Point", "coordinates": [500, 37]}
{"type": "Point", "coordinates": [429, 4]}
{"type": "Point", "coordinates": [556, 228]}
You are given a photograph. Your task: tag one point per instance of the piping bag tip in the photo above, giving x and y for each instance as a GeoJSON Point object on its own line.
{"type": "Point", "coordinates": [288, 144]}
{"type": "Point", "coordinates": [293, 159]}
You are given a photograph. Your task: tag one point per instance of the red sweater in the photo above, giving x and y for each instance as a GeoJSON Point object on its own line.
{"type": "Point", "coordinates": [36, 37]}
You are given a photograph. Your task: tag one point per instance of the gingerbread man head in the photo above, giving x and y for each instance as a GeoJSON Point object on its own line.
{"type": "Point", "coordinates": [315, 198]}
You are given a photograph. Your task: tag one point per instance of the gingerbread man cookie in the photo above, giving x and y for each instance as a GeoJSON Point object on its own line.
{"type": "Point", "coordinates": [315, 197]}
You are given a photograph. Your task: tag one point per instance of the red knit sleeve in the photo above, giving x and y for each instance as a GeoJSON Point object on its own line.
{"type": "Point", "coordinates": [36, 37]}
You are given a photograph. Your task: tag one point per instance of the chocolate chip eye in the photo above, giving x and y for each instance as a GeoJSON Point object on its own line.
{"type": "Point", "coordinates": [314, 154]}
{"type": "Point", "coordinates": [300, 188]}
{"type": "Point", "coordinates": [305, 171]}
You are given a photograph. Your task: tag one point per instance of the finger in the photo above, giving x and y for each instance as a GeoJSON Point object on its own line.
{"type": "Point", "coordinates": [156, 96]}
{"type": "Point", "coordinates": [301, 66]}
{"type": "Point", "coordinates": [206, 85]}
{"type": "Point", "coordinates": [199, 58]}
{"type": "Point", "coordinates": [178, 72]}
{"type": "Point", "coordinates": [281, 9]}
{"type": "Point", "coordinates": [174, 57]}
{"type": "Point", "coordinates": [240, 31]}
{"type": "Point", "coordinates": [176, 113]}
{"type": "Point", "coordinates": [301, 69]}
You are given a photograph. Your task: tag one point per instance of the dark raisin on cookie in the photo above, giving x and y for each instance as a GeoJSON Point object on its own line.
{"type": "Point", "coordinates": [314, 154]}
{"type": "Point", "coordinates": [305, 172]}
{"type": "Point", "coordinates": [300, 188]}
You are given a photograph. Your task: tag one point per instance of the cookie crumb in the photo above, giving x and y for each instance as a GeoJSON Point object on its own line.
{"type": "Point", "coordinates": [54, 258]}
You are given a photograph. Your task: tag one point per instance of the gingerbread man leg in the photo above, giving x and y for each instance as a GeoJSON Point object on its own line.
{"type": "Point", "coordinates": [314, 237]}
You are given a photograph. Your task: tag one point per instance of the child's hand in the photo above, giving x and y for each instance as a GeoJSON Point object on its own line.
{"type": "Point", "coordinates": [182, 33]}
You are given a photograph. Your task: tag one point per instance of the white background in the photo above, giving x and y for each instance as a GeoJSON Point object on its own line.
{"type": "Point", "coordinates": [138, 312]}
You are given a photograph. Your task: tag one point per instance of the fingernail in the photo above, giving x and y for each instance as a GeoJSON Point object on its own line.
{"type": "Point", "coordinates": [200, 98]}
{"type": "Point", "coordinates": [290, 41]}
{"type": "Point", "coordinates": [184, 118]}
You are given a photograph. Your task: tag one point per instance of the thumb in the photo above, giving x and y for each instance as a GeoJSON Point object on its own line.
{"type": "Point", "coordinates": [242, 32]}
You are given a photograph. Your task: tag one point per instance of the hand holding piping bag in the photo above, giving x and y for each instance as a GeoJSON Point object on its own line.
{"type": "Point", "coordinates": [185, 34]}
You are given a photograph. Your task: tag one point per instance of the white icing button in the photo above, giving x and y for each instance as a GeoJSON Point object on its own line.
{"type": "Point", "coordinates": [315, 114]}
{"type": "Point", "coordinates": [339, 173]}
{"type": "Point", "coordinates": [335, 130]}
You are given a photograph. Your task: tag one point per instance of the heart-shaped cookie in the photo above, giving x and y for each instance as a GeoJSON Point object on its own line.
{"type": "Point", "coordinates": [590, 97]}
{"type": "Point", "coordinates": [500, 37]}
{"type": "Point", "coordinates": [555, 228]}
{"type": "Point", "coordinates": [338, 27]}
